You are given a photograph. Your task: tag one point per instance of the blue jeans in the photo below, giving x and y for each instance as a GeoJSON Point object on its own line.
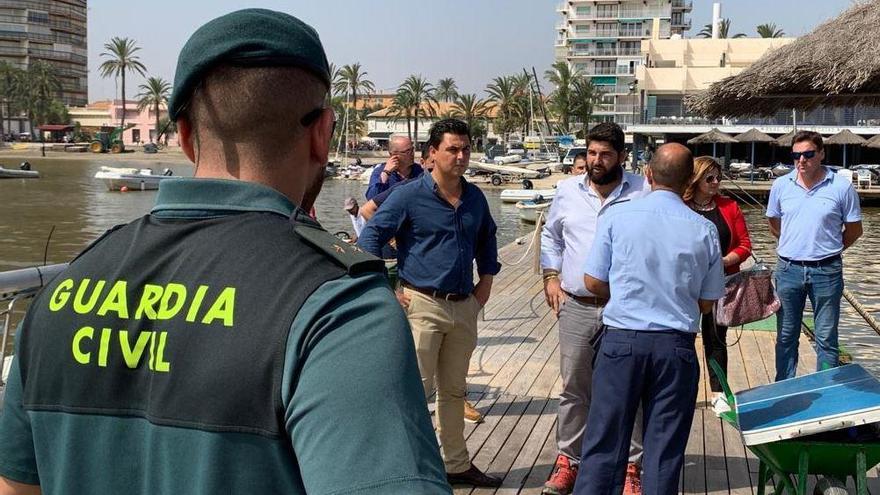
{"type": "Point", "coordinates": [824, 286]}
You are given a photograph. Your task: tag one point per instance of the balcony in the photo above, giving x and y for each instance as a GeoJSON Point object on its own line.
{"type": "Point", "coordinates": [12, 51]}
{"type": "Point", "coordinates": [644, 13]}
{"type": "Point", "coordinates": [596, 33]}
{"type": "Point", "coordinates": [597, 16]}
{"type": "Point", "coordinates": [685, 5]}
{"type": "Point", "coordinates": [562, 25]}
{"type": "Point", "coordinates": [562, 7]}
{"type": "Point", "coordinates": [606, 52]}
{"type": "Point", "coordinates": [56, 55]}
{"type": "Point", "coordinates": [681, 24]}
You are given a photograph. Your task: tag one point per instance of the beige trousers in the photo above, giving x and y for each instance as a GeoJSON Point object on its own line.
{"type": "Point", "coordinates": [445, 335]}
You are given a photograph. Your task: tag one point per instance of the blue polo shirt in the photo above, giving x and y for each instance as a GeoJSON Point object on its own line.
{"type": "Point", "coordinates": [437, 243]}
{"type": "Point", "coordinates": [377, 186]}
{"type": "Point", "coordinates": [812, 220]}
{"type": "Point", "coordinates": [660, 258]}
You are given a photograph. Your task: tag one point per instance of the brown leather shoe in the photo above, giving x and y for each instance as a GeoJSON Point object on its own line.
{"type": "Point", "coordinates": [473, 476]}
{"type": "Point", "coordinates": [471, 415]}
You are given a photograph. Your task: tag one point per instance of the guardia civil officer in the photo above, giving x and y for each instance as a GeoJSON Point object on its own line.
{"type": "Point", "coordinates": [225, 343]}
{"type": "Point", "coordinates": [659, 262]}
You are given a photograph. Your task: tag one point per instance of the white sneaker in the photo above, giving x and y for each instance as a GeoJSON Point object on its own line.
{"type": "Point", "coordinates": [720, 405]}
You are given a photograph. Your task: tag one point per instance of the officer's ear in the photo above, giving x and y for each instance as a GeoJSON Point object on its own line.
{"type": "Point", "coordinates": [186, 137]}
{"type": "Point", "coordinates": [320, 134]}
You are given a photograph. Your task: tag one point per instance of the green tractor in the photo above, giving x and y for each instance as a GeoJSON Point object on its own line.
{"type": "Point", "coordinates": [109, 140]}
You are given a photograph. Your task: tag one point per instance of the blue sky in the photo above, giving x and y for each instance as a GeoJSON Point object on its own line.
{"type": "Point", "coordinates": [469, 40]}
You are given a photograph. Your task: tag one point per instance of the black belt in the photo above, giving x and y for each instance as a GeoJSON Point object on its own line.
{"type": "Point", "coordinates": [436, 294]}
{"type": "Point", "coordinates": [588, 300]}
{"type": "Point", "coordinates": [822, 262]}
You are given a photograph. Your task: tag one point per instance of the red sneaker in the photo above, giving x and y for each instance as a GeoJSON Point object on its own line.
{"type": "Point", "coordinates": [633, 483]}
{"type": "Point", "coordinates": [561, 482]}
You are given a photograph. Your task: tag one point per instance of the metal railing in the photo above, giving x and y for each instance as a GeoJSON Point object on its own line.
{"type": "Point", "coordinates": [56, 55]}
{"type": "Point", "coordinates": [644, 13]}
{"type": "Point", "coordinates": [605, 52]}
{"type": "Point", "coordinates": [13, 51]}
{"type": "Point", "coordinates": [682, 4]}
{"type": "Point", "coordinates": [17, 286]}
{"type": "Point", "coordinates": [597, 33]}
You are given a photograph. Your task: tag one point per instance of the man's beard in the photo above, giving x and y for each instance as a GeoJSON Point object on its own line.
{"type": "Point", "coordinates": [312, 191]}
{"type": "Point", "coordinates": [612, 175]}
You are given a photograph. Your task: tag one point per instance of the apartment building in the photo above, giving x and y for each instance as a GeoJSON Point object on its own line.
{"type": "Point", "coordinates": [602, 40]}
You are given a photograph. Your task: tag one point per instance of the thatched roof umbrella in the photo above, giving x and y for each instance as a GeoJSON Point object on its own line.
{"type": "Point", "coordinates": [834, 65]}
{"type": "Point", "coordinates": [753, 136]}
{"type": "Point", "coordinates": [874, 142]}
{"type": "Point", "coordinates": [786, 139]}
{"type": "Point", "coordinates": [714, 136]}
{"type": "Point", "coordinates": [844, 138]}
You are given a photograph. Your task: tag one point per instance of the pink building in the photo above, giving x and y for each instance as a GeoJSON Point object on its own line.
{"type": "Point", "coordinates": [144, 130]}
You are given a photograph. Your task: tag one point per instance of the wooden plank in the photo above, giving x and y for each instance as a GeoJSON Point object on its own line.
{"type": "Point", "coordinates": [516, 432]}
{"type": "Point", "coordinates": [543, 464]}
{"type": "Point", "coordinates": [693, 476]}
{"type": "Point", "coordinates": [526, 457]}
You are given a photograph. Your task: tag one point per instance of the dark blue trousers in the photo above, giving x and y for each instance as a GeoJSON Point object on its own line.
{"type": "Point", "coordinates": [660, 370]}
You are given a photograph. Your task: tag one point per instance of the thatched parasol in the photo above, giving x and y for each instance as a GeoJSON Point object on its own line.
{"type": "Point", "coordinates": [835, 65]}
{"type": "Point", "coordinates": [786, 139]}
{"type": "Point", "coordinates": [753, 136]}
{"type": "Point", "coordinates": [714, 136]}
{"type": "Point", "coordinates": [874, 142]}
{"type": "Point", "coordinates": [844, 138]}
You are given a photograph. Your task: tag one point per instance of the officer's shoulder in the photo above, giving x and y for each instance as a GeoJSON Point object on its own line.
{"type": "Point", "coordinates": [352, 258]}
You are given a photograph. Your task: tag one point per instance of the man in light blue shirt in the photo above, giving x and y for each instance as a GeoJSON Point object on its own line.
{"type": "Point", "coordinates": [565, 242]}
{"type": "Point", "coordinates": [815, 215]}
{"type": "Point", "coordinates": [660, 265]}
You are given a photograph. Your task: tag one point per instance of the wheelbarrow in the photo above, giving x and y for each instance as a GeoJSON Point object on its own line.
{"type": "Point", "coordinates": [788, 463]}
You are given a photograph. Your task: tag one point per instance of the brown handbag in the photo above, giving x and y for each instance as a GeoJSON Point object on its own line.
{"type": "Point", "coordinates": [749, 296]}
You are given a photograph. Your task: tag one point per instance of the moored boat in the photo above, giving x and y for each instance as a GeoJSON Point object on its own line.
{"type": "Point", "coordinates": [529, 210]}
{"type": "Point", "coordinates": [22, 172]}
{"type": "Point", "coordinates": [517, 195]}
{"type": "Point", "coordinates": [131, 179]}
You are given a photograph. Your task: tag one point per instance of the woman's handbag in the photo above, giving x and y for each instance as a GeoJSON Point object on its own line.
{"type": "Point", "coordinates": [748, 296]}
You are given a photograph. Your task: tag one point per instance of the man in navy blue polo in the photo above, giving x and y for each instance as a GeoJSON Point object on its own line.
{"type": "Point", "coordinates": [659, 263]}
{"type": "Point", "coordinates": [399, 167]}
{"type": "Point", "coordinates": [442, 225]}
{"type": "Point", "coordinates": [815, 215]}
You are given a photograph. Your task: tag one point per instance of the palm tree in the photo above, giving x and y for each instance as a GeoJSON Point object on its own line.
{"type": "Point", "coordinates": [352, 81]}
{"type": "Point", "coordinates": [401, 107]}
{"type": "Point", "coordinates": [770, 30]}
{"type": "Point", "coordinates": [447, 90]}
{"type": "Point", "coordinates": [470, 109]}
{"type": "Point", "coordinates": [416, 90]}
{"type": "Point", "coordinates": [335, 78]}
{"type": "Point", "coordinates": [8, 78]}
{"type": "Point", "coordinates": [154, 94]}
{"type": "Point", "coordinates": [562, 77]}
{"type": "Point", "coordinates": [723, 31]}
{"type": "Point", "coordinates": [121, 59]}
{"type": "Point", "coordinates": [584, 95]}
{"type": "Point", "coordinates": [40, 87]}
{"type": "Point", "coordinates": [510, 95]}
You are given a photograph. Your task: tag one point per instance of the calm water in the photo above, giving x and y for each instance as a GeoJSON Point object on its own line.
{"type": "Point", "coordinates": [80, 208]}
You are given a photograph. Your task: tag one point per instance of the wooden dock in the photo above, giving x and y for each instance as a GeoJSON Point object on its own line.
{"type": "Point", "coordinates": [514, 381]}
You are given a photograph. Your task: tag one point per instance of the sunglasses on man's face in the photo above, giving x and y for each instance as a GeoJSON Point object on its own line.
{"type": "Point", "coordinates": [713, 178]}
{"type": "Point", "coordinates": [796, 155]}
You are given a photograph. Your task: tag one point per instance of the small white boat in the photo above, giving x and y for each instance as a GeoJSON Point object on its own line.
{"type": "Point", "coordinates": [530, 210]}
{"type": "Point", "coordinates": [504, 170]}
{"type": "Point", "coordinates": [517, 195]}
{"type": "Point", "coordinates": [19, 173]}
{"type": "Point", "coordinates": [131, 179]}
{"type": "Point", "coordinates": [507, 159]}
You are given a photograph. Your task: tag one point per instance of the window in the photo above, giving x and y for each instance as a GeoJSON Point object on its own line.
{"type": "Point", "coordinates": [135, 135]}
{"type": "Point", "coordinates": [37, 17]}
{"type": "Point", "coordinates": [583, 11]}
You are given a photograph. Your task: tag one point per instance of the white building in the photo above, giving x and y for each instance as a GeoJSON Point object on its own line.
{"type": "Point", "coordinates": [602, 40]}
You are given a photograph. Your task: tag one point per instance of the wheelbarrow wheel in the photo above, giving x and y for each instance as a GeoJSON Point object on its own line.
{"type": "Point", "coordinates": [830, 486]}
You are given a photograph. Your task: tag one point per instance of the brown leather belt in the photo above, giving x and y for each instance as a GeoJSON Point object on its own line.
{"type": "Point", "coordinates": [436, 294]}
{"type": "Point", "coordinates": [588, 300]}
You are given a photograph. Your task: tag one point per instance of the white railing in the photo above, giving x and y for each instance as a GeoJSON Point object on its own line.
{"type": "Point", "coordinates": [644, 13]}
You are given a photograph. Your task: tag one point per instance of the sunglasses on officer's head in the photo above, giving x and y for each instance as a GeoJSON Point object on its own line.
{"type": "Point", "coordinates": [796, 155]}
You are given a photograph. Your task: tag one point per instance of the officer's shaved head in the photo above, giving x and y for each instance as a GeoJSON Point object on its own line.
{"type": "Point", "coordinates": [672, 166]}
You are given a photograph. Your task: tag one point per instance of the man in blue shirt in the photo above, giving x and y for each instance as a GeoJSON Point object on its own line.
{"type": "Point", "coordinates": [399, 167]}
{"type": "Point", "coordinates": [565, 243]}
{"type": "Point", "coordinates": [815, 215]}
{"type": "Point", "coordinates": [442, 224]}
{"type": "Point", "coordinates": [659, 263]}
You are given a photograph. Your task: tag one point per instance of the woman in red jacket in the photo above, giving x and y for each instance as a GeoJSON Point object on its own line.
{"type": "Point", "coordinates": [702, 195]}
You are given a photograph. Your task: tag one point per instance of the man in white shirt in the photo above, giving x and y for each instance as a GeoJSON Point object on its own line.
{"type": "Point", "coordinates": [357, 221]}
{"type": "Point", "coordinates": [565, 243]}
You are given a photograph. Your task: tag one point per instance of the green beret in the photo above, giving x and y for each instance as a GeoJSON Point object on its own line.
{"type": "Point", "coordinates": [247, 38]}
